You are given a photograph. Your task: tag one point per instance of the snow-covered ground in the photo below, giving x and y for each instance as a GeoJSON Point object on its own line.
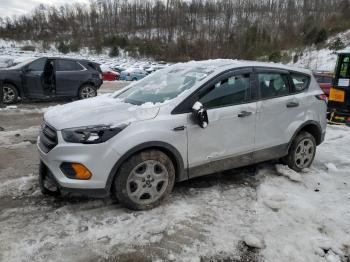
{"type": "Point", "coordinates": [261, 213]}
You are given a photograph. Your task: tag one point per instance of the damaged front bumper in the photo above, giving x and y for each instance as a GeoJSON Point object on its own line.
{"type": "Point", "coordinates": [49, 186]}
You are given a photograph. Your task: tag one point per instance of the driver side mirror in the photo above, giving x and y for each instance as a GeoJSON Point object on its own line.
{"type": "Point", "coordinates": [200, 114]}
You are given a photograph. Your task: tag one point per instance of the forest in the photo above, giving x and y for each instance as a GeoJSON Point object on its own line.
{"type": "Point", "coordinates": [180, 30]}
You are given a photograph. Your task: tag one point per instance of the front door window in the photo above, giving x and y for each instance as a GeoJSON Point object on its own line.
{"type": "Point", "coordinates": [230, 91]}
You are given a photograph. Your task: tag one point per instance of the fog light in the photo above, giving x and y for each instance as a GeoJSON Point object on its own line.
{"type": "Point", "coordinates": [76, 171]}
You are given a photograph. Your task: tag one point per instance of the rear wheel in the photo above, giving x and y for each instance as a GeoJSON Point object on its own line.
{"type": "Point", "coordinates": [302, 152]}
{"type": "Point", "coordinates": [10, 94]}
{"type": "Point", "coordinates": [87, 91]}
{"type": "Point", "coordinates": [145, 180]}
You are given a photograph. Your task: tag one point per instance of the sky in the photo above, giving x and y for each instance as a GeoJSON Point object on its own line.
{"type": "Point", "coordinates": [19, 7]}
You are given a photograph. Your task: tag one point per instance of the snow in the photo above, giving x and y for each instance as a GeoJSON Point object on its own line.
{"type": "Point", "coordinates": [254, 241]}
{"type": "Point", "coordinates": [279, 214]}
{"type": "Point", "coordinates": [323, 59]}
{"type": "Point", "coordinates": [16, 138]}
{"type": "Point", "coordinates": [287, 172]}
{"type": "Point", "coordinates": [331, 167]}
{"type": "Point", "coordinates": [284, 219]}
{"type": "Point", "coordinates": [11, 52]}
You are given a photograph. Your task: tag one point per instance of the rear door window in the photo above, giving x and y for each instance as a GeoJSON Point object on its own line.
{"type": "Point", "coordinates": [66, 65]}
{"type": "Point", "coordinates": [300, 82]}
{"type": "Point", "coordinates": [273, 85]}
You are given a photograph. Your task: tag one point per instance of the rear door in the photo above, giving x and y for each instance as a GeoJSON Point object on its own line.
{"type": "Point", "coordinates": [228, 140]}
{"type": "Point", "coordinates": [70, 75]}
{"type": "Point", "coordinates": [277, 113]}
{"type": "Point", "coordinates": [33, 78]}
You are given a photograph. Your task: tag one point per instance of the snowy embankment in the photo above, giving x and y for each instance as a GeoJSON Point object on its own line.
{"type": "Point", "coordinates": [322, 59]}
{"type": "Point", "coordinates": [264, 213]}
{"type": "Point", "coordinates": [12, 52]}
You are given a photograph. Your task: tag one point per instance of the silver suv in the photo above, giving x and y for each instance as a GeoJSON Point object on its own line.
{"type": "Point", "coordinates": [181, 122]}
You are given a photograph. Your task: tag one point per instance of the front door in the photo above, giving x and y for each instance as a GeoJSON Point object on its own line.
{"type": "Point", "coordinates": [33, 78]}
{"type": "Point", "coordinates": [228, 140]}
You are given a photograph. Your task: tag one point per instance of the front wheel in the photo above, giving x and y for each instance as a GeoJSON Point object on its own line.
{"type": "Point", "coordinates": [302, 152]}
{"type": "Point", "coordinates": [87, 91]}
{"type": "Point", "coordinates": [145, 180]}
{"type": "Point", "coordinates": [10, 94]}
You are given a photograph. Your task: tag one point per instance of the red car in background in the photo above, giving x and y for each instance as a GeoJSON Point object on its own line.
{"type": "Point", "coordinates": [325, 80]}
{"type": "Point", "coordinates": [109, 75]}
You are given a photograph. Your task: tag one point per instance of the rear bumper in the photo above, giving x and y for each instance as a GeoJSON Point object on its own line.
{"type": "Point", "coordinates": [98, 83]}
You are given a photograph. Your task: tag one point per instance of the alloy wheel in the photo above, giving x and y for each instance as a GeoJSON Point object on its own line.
{"type": "Point", "coordinates": [88, 92]}
{"type": "Point", "coordinates": [304, 153]}
{"type": "Point", "coordinates": [147, 182]}
{"type": "Point", "coordinates": [9, 94]}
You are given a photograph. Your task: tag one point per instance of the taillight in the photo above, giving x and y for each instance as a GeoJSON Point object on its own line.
{"type": "Point", "coordinates": [322, 97]}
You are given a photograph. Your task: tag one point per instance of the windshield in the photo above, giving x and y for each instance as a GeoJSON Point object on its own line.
{"type": "Point", "coordinates": [21, 64]}
{"type": "Point", "coordinates": [164, 85]}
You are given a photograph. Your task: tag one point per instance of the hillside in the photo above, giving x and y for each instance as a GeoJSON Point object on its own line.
{"type": "Point", "coordinates": [321, 59]}
{"type": "Point", "coordinates": [312, 57]}
{"type": "Point", "coordinates": [176, 30]}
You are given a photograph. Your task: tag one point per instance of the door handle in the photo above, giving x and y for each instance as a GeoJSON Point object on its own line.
{"type": "Point", "coordinates": [244, 114]}
{"type": "Point", "coordinates": [292, 104]}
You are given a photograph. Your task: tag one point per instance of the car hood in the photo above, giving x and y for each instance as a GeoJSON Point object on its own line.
{"type": "Point", "coordinates": [5, 71]}
{"type": "Point", "coordinates": [101, 110]}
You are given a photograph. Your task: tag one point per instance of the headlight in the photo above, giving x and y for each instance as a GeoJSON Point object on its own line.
{"type": "Point", "coordinates": [91, 134]}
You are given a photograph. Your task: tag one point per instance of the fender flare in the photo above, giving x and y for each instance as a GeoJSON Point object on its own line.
{"type": "Point", "coordinates": [319, 139]}
{"type": "Point", "coordinates": [19, 89]}
{"type": "Point", "coordinates": [175, 156]}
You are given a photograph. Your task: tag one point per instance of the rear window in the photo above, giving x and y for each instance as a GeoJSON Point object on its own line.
{"type": "Point", "coordinates": [95, 67]}
{"type": "Point", "coordinates": [300, 82]}
{"type": "Point", "coordinates": [273, 85]}
{"type": "Point", "coordinates": [66, 65]}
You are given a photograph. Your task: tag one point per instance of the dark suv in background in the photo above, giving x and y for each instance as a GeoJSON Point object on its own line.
{"type": "Point", "coordinates": [49, 78]}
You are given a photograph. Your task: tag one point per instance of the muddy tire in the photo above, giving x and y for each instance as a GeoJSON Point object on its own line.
{"type": "Point", "coordinates": [87, 91]}
{"type": "Point", "coordinates": [46, 184]}
{"type": "Point", "coordinates": [145, 180]}
{"type": "Point", "coordinates": [10, 94]}
{"type": "Point", "coordinates": [302, 152]}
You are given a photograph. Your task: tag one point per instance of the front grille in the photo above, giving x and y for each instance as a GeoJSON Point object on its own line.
{"type": "Point", "coordinates": [48, 137]}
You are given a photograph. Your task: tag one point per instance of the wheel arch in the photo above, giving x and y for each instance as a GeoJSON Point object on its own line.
{"type": "Point", "coordinates": [169, 150]}
{"type": "Point", "coordinates": [19, 90]}
{"type": "Point", "coordinates": [312, 127]}
{"type": "Point", "coordinates": [85, 84]}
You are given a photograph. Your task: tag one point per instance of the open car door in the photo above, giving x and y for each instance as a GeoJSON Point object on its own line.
{"type": "Point", "coordinates": [32, 78]}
